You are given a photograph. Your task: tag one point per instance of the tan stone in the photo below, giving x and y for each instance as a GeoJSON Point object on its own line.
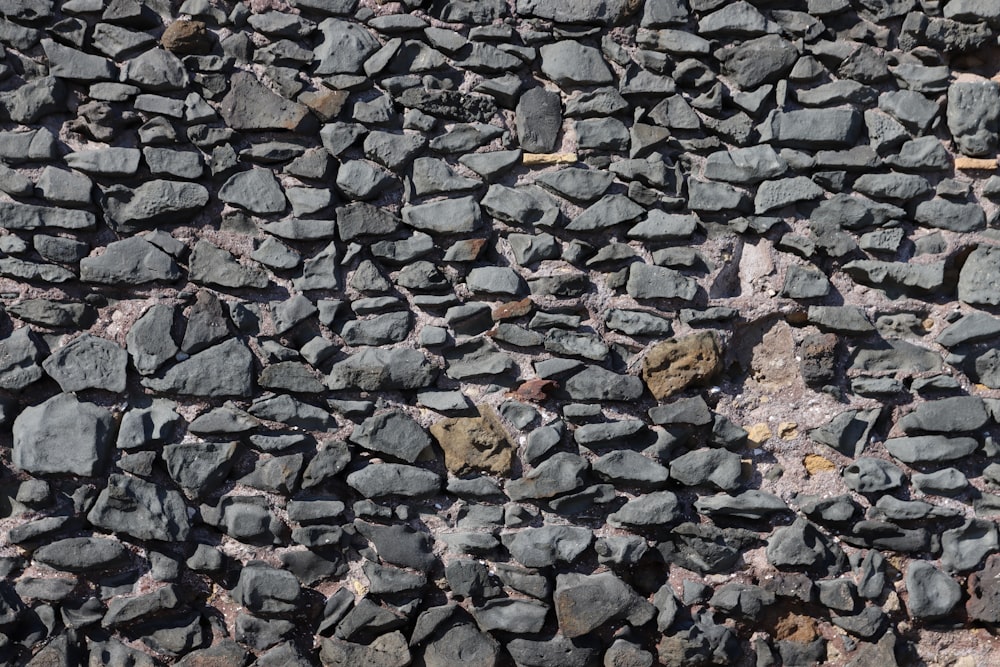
{"type": "Point", "coordinates": [324, 103]}
{"type": "Point", "coordinates": [815, 463]}
{"type": "Point", "coordinates": [973, 164]}
{"type": "Point", "coordinates": [788, 430]}
{"type": "Point", "coordinates": [678, 363]}
{"type": "Point", "coordinates": [474, 443]}
{"type": "Point", "coordinates": [548, 158]}
{"type": "Point", "coordinates": [796, 628]}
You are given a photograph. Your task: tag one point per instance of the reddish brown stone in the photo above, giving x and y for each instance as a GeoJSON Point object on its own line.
{"type": "Point", "coordinates": [513, 309]}
{"type": "Point", "coordinates": [984, 592]}
{"type": "Point", "coordinates": [535, 390]}
{"type": "Point", "coordinates": [324, 103]}
{"type": "Point", "coordinates": [186, 37]}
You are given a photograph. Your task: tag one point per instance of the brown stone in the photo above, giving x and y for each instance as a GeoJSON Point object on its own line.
{"type": "Point", "coordinates": [678, 363]}
{"type": "Point", "coordinates": [186, 37]}
{"type": "Point", "coordinates": [795, 627]}
{"type": "Point", "coordinates": [818, 365]}
{"type": "Point", "coordinates": [513, 309]}
{"type": "Point", "coordinates": [474, 443]}
{"type": "Point", "coordinates": [324, 103]}
{"type": "Point", "coordinates": [984, 592]}
{"type": "Point", "coordinates": [535, 390]}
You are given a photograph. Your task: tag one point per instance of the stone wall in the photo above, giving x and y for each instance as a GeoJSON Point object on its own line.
{"type": "Point", "coordinates": [536, 333]}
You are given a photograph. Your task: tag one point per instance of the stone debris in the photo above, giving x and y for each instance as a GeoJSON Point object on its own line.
{"type": "Point", "coordinates": [544, 332]}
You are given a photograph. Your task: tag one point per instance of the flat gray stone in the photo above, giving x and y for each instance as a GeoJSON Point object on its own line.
{"type": "Point", "coordinates": [20, 354]}
{"type": "Point", "coordinates": [394, 479]}
{"type": "Point", "coordinates": [568, 64]}
{"type": "Point", "coordinates": [131, 261]}
{"type": "Point", "coordinates": [932, 593]}
{"type": "Point", "coordinates": [62, 436]}
{"type": "Point", "coordinates": [447, 216]}
{"type": "Point", "coordinates": [250, 105]}
{"type": "Point", "coordinates": [225, 369]}
{"type": "Point", "coordinates": [646, 281]}
{"type": "Point", "coordinates": [142, 509]}
{"type": "Point", "coordinates": [394, 433]}
{"type": "Point", "coordinates": [28, 216]}
{"type": "Point", "coordinates": [88, 362]}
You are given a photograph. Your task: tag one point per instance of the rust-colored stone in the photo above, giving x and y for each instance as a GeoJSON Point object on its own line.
{"type": "Point", "coordinates": [186, 37]}
{"type": "Point", "coordinates": [795, 627]}
{"type": "Point", "coordinates": [535, 390]}
{"type": "Point", "coordinates": [474, 443]}
{"type": "Point", "coordinates": [325, 103]}
{"type": "Point", "coordinates": [984, 592]}
{"type": "Point", "coordinates": [678, 363]}
{"type": "Point", "coordinates": [513, 309]}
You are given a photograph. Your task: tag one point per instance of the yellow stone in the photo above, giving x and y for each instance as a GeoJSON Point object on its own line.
{"type": "Point", "coordinates": [815, 463]}
{"type": "Point", "coordinates": [788, 430]}
{"type": "Point", "coordinates": [759, 433]}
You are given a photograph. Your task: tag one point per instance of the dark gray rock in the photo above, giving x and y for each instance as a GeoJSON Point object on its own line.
{"type": "Point", "coordinates": [399, 544]}
{"type": "Point", "coordinates": [82, 554]}
{"type": "Point", "coordinates": [802, 545]}
{"type": "Point", "coordinates": [106, 161]}
{"type": "Point", "coordinates": [141, 509]}
{"type": "Point", "coordinates": [957, 414]}
{"type": "Point", "coordinates": [744, 165]}
{"type": "Point", "coordinates": [979, 280]}
{"type": "Point", "coordinates": [447, 216]}
{"type": "Point", "coordinates": [511, 615]}
{"type": "Point", "coordinates": [385, 479]}
{"type": "Point", "coordinates": [553, 652]}
{"type": "Point", "coordinates": [20, 354]}
{"type": "Point", "coordinates": [953, 216]}
{"type": "Point", "coordinates": [870, 475]}
{"type": "Point", "coordinates": [652, 509]}
{"type": "Point", "coordinates": [256, 190]}
{"type": "Point", "coordinates": [594, 383]}
{"type": "Point", "coordinates": [719, 468]}
{"type": "Point", "coordinates": [930, 448]}
{"type": "Point", "coordinates": [812, 128]}
{"type": "Point", "coordinates": [584, 603]}
{"type": "Point", "coordinates": [569, 64]}
{"type": "Point", "coordinates": [62, 436]}
{"type": "Point", "coordinates": [199, 467]}
{"type": "Point", "coordinates": [964, 548]}
{"type": "Point", "coordinates": [266, 590]}
{"type": "Point", "coordinates": [375, 369]}
{"type": "Point", "coordinates": [538, 119]}
{"type": "Point", "coordinates": [250, 105]}
{"type": "Point", "coordinates": [29, 217]}
{"type": "Point", "coordinates": [545, 546]}
{"type": "Point", "coordinates": [88, 362]}
{"type": "Point", "coordinates": [149, 341]}
{"type": "Point", "coordinates": [932, 593]}
{"type": "Point", "coordinates": [67, 63]}
{"type": "Point", "coordinates": [225, 369]}
{"type": "Point", "coordinates": [131, 261]}
{"type": "Point", "coordinates": [394, 433]}
{"type": "Point", "coordinates": [759, 61]}
{"type": "Point", "coordinates": [344, 48]}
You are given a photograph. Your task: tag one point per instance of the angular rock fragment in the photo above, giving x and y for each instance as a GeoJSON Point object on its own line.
{"type": "Point", "coordinates": [474, 443]}
{"type": "Point", "coordinates": [225, 369]}
{"type": "Point", "coordinates": [141, 509]}
{"type": "Point", "coordinates": [250, 105]}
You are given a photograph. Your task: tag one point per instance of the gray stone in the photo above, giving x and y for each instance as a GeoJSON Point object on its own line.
{"type": "Point", "coordinates": [149, 341]}
{"type": "Point", "coordinates": [805, 283]}
{"type": "Point", "coordinates": [511, 615]}
{"type": "Point", "coordinates": [744, 165]}
{"type": "Point", "coordinates": [394, 433]}
{"type": "Point", "coordinates": [211, 265]}
{"type": "Point", "coordinates": [155, 424]}
{"type": "Point", "coordinates": [225, 369]}
{"type": "Point", "coordinates": [759, 61]}
{"type": "Point", "coordinates": [250, 105]}
{"type": "Point", "coordinates": [538, 119]}
{"type": "Point", "coordinates": [88, 362]}
{"type": "Point", "coordinates": [584, 603]}
{"type": "Point", "coordinates": [29, 217]}
{"type": "Point", "coordinates": [979, 280]}
{"type": "Point", "coordinates": [652, 509]}
{"type": "Point", "coordinates": [152, 203]}
{"type": "Point", "coordinates": [106, 161]}
{"type": "Point", "coordinates": [62, 436]}
{"type": "Point", "coordinates": [448, 216]}
{"type": "Point", "coordinates": [569, 63]}
{"type": "Point", "coordinates": [545, 546]}
{"type": "Point", "coordinates": [374, 369]}
{"type": "Point", "coordinates": [141, 509]}
{"type": "Point", "coordinates": [199, 467]}
{"type": "Point", "coordinates": [932, 593]}
{"type": "Point", "coordinates": [266, 590]}
{"type": "Point", "coordinates": [802, 545]}
{"type": "Point", "coordinates": [385, 479]}
{"type": "Point", "coordinates": [344, 48]}
{"type": "Point", "coordinates": [560, 473]}
{"type": "Point", "coordinates": [82, 554]}
{"type": "Point", "coordinates": [20, 354]}
{"type": "Point", "coordinates": [131, 261]}
{"type": "Point", "coordinates": [957, 414]}
{"type": "Point", "coordinates": [594, 383]}
{"type": "Point", "coordinates": [256, 190]}
{"type": "Point", "coordinates": [434, 176]}
{"type": "Point", "coordinates": [34, 100]}
{"type": "Point", "coordinates": [930, 448]}
{"type": "Point", "coordinates": [657, 282]}
{"type": "Point", "coordinates": [812, 128]}
{"type": "Point", "coordinates": [67, 63]}
{"type": "Point", "coordinates": [157, 70]}
{"type": "Point", "coordinates": [607, 212]}
{"type": "Point", "coordinates": [870, 475]}
{"type": "Point", "coordinates": [953, 216]}
{"type": "Point", "coordinates": [719, 468]}
{"type": "Point", "coordinates": [495, 280]}
{"type": "Point", "coordinates": [927, 277]}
